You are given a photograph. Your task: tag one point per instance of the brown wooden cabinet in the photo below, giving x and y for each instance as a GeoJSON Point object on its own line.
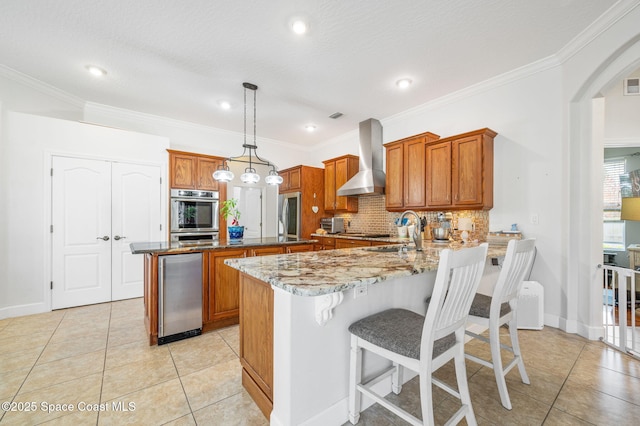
{"type": "Point", "coordinates": [454, 173]}
{"type": "Point", "coordinates": [300, 248]}
{"type": "Point", "coordinates": [256, 341]}
{"type": "Point", "coordinates": [406, 172]}
{"type": "Point", "coordinates": [309, 181]}
{"type": "Point", "coordinates": [347, 243]}
{"type": "Point", "coordinates": [193, 171]}
{"type": "Point", "coordinates": [460, 171]}
{"type": "Point", "coordinates": [326, 243]}
{"type": "Point", "coordinates": [337, 171]}
{"type": "Point", "coordinates": [222, 289]}
{"type": "Point", "coordinates": [291, 180]}
{"type": "Point", "coordinates": [266, 251]}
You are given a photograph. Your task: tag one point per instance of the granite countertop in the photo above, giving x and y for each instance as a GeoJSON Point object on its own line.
{"type": "Point", "coordinates": [329, 271]}
{"type": "Point", "coordinates": [391, 239]}
{"type": "Point", "coordinates": [169, 247]}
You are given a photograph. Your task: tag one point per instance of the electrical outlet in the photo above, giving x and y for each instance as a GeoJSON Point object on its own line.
{"type": "Point", "coordinates": [360, 291]}
{"type": "Point", "coordinates": [534, 219]}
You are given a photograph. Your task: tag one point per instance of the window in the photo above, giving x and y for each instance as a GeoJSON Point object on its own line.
{"type": "Point", "coordinates": [613, 227]}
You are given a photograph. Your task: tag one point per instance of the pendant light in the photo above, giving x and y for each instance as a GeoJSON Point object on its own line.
{"type": "Point", "coordinates": [223, 174]}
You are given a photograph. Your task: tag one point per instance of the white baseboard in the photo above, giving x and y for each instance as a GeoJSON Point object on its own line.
{"type": "Point", "coordinates": [20, 310]}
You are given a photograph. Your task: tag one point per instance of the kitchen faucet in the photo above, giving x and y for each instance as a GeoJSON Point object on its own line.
{"type": "Point", "coordinates": [417, 238]}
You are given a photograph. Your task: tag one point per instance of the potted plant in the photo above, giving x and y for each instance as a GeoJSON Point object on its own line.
{"type": "Point", "coordinates": [228, 210]}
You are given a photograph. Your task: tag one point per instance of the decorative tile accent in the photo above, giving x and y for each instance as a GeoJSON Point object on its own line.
{"type": "Point", "coordinates": [372, 217]}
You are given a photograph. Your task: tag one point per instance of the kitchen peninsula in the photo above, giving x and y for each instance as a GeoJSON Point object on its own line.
{"type": "Point", "coordinates": [295, 311]}
{"type": "Point", "coordinates": [219, 282]}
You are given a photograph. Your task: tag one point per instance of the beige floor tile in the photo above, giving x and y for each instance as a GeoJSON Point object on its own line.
{"type": "Point", "coordinates": [607, 381]}
{"type": "Point", "coordinates": [65, 349]}
{"type": "Point", "coordinates": [134, 376]}
{"type": "Point", "coordinates": [155, 405]}
{"type": "Point", "coordinates": [560, 418]}
{"type": "Point", "coordinates": [238, 409]}
{"type": "Point", "coordinates": [64, 370]}
{"type": "Point", "coordinates": [591, 405]}
{"type": "Point", "coordinates": [231, 335]}
{"type": "Point", "coordinates": [99, 311]}
{"type": "Point", "coordinates": [134, 352]}
{"type": "Point", "coordinates": [71, 332]}
{"type": "Point", "coordinates": [607, 357]}
{"type": "Point", "coordinates": [187, 420]}
{"type": "Point", "coordinates": [85, 390]}
{"type": "Point", "coordinates": [200, 352]}
{"type": "Point", "coordinates": [544, 386]}
{"type": "Point", "coordinates": [24, 342]}
{"type": "Point", "coordinates": [75, 419]}
{"type": "Point", "coordinates": [486, 403]}
{"type": "Point", "coordinates": [131, 308]}
{"type": "Point", "coordinates": [10, 383]}
{"type": "Point", "coordinates": [127, 332]}
{"type": "Point", "coordinates": [213, 384]}
{"type": "Point", "coordinates": [19, 360]}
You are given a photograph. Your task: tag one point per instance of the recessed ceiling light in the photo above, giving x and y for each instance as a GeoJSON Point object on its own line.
{"type": "Point", "coordinates": [403, 83]}
{"type": "Point", "coordinates": [310, 128]}
{"type": "Point", "coordinates": [224, 105]}
{"type": "Point", "coordinates": [96, 71]}
{"type": "Point", "coordinates": [299, 26]}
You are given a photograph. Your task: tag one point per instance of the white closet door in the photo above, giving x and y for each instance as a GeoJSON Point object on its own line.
{"type": "Point", "coordinates": [136, 217]}
{"type": "Point", "coordinates": [81, 239]}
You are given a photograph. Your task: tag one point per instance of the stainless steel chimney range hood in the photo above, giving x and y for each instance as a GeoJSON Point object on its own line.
{"type": "Point", "coordinates": [370, 179]}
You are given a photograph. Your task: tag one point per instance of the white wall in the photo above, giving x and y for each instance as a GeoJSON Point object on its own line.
{"type": "Point", "coordinates": [622, 115]}
{"type": "Point", "coordinates": [28, 144]}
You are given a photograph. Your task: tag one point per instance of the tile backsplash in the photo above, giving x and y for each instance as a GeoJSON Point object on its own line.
{"type": "Point", "coordinates": [372, 217]}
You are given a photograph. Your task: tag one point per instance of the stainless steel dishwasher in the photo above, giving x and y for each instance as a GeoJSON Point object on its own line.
{"type": "Point", "coordinates": [179, 297]}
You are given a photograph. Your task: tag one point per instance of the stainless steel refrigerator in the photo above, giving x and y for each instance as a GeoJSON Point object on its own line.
{"type": "Point", "coordinates": [289, 215]}
{"type": "Point", "coordinates": [179, 297]}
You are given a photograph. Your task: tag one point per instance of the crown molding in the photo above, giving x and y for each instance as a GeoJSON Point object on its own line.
{"type": "Point", "coordinates": [40, 86]}
{"type": "Point", "coordinates": [605, 21]}
{"type": "Point", "coordinates": [156, 120]}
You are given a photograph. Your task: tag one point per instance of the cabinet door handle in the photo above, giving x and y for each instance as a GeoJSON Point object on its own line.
{"type": "Point", "coordinates": [105, 238]}
{"type": "Point", "coordinates": [118, 237]}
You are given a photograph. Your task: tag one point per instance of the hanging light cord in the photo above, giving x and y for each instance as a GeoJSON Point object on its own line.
{"type": "Point", "coordinates": [252, 148]}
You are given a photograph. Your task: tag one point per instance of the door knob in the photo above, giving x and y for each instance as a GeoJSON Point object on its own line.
{"type": "Point", "coordinates": [105, 238]}
{"type": "Point", "coordinates": [118, 237]}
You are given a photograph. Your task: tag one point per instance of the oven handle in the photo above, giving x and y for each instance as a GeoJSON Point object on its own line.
{"type": "Point", "coordinates": [208, 200]}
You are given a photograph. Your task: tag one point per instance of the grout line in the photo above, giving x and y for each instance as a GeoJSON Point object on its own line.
{"type": "Point", "coordinates": [104, 363]}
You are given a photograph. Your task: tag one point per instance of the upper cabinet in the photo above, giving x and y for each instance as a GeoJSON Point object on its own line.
{"type": "Point", "coordinates": [291, 180]}
{"type": "Point", "coordinates": [470, 186]}
{"type": "Point", "coordinates": [454, 173]}
{"type": "Point", "coordinates": [337, 171]}
{"type": "Point", "coordinates": [193, 171]}
{"type": "Point", "coordinates": [406, 172]}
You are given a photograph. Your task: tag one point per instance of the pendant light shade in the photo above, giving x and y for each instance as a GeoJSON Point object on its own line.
{"type": "Point", "coordinates": [223, 174]}
{"type": "Point", "coordinates": [273, 178]}
{"type": "Point", "coordinates": [250, 176]}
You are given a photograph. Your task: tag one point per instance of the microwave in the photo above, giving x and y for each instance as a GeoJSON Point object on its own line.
{"type": "Point", "coordinates": [333, 225]}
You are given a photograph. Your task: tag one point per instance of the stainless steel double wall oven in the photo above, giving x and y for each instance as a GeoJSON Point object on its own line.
{"type": "Point", "coordinates": [194, 215]}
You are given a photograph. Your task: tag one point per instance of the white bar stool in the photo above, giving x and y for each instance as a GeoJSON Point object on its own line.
{"type": "Point", "coordinates": [501, 308]}
{"type": "Point", "coordinates": [421, 343]}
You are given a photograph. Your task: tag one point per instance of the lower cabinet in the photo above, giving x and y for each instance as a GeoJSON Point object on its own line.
{"type": "Point", "coordinates": [344, 243]}
{"type": "Point", "coordinates": [220, 306]}
{"type": "Point", "coordinates": [256, 341]}
{"type": "Point", "coordinates": [300, 248]}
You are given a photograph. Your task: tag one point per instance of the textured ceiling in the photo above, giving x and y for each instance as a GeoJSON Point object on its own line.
{"type": "Point", "coordinates": [177, 59]}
